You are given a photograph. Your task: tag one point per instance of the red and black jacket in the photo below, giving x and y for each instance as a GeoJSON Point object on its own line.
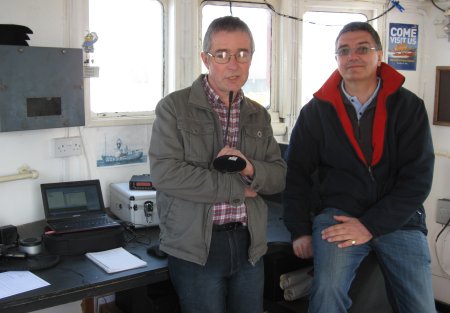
{"type": "Point", "coordinates": [327, 168]}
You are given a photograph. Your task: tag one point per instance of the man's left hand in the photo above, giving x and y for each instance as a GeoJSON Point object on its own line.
{"type": "Point", "coordinates": [349, 232]}
{"type": "Point", "coordinates": [248, 171]}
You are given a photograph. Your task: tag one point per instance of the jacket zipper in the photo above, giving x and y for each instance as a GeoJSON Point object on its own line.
{"type": "Point", "coordinates": [369, 168]}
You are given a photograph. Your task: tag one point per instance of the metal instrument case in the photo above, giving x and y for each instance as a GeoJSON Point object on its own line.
{"type": "Point", "coordinates": [135, 206]}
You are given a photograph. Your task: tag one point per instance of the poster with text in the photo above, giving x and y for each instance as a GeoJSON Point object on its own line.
{"type": "Point", "coordinates": [403, 43]}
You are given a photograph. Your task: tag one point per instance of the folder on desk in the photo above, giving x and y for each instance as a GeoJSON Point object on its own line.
{"type": "Point", "coordinates": [116, 260]}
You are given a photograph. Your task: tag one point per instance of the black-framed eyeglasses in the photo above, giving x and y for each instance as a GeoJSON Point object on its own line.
{"type": "Point", "coordinates": [360, 50]}
{"type": "Point", "coordinates": [223, 57]}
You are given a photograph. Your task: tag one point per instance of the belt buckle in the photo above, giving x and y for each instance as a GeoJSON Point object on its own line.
{"type": "Point", "coordinates": [227, 226]}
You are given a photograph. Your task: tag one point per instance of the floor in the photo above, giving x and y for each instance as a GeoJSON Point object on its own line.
{"type": "Point", "coordinates": [442, 307]}
{"type": "Point", "coordinates": [301, 306]}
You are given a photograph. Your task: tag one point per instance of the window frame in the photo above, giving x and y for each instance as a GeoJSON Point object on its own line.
{"type": "Point", "coordinates": [122, 118]}
{"type": "Point", "coordinates": [278, 125]}
{"type": "Point", "coordinates": [247, 4]}
{"type": "Point", "coordinates": [371, 10]}
{"type": "Point", "coordinates": [330, 53]}
{"type": "Point", "coordinates": [182, 41]}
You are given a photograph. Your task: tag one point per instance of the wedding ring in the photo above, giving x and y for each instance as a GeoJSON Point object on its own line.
{"type": "Point", "coordinates": [353, 242]}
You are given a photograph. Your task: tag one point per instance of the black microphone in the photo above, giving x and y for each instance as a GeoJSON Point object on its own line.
{"type": "Point", "coordinates": [230, 101]}
{"type": "Point", "coordinates": [229, 163]}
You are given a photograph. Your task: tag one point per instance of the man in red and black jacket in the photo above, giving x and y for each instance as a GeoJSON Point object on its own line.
{"type": "Point", "coordinates": [360, 165]}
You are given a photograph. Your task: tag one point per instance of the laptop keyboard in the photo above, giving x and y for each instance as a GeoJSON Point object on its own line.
{"type": "Point", "coordinates": [82, 224]}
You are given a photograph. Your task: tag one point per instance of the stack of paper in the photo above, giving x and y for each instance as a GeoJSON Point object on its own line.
{"type": "Point", "coordinates": [115, 260]}
{"type": "Point", "coordinates": [15, 282]}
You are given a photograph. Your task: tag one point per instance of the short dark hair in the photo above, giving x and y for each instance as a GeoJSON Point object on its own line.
{"type": "Point", "coordinates": [364, 26]}
{"type": "Point", "coordinates": [229, 24]}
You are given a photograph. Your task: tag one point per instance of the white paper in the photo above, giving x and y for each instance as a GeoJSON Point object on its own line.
{"type": "Point", "coordinates": [115, 260]}
{"type": "Point", "coordinates": [15, 282]}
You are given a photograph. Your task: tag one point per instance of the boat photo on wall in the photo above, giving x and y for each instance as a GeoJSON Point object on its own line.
{"type": "Point", "coordinates": [121, 150]}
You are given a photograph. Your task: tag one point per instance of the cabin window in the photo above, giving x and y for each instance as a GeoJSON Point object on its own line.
{"type": "Point", "coordinates": [129, 54]}
{"type": "Point", "coordinates": [258, 20]}
{"type": "Point", "coordinates": [326, 26]}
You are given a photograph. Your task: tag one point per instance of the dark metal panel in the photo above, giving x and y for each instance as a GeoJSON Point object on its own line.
{"type": "Point", "coordinates": [40, 88]}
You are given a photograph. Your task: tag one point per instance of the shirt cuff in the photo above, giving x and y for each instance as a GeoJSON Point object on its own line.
{"type": "Point", "coordinates": [247, 180]}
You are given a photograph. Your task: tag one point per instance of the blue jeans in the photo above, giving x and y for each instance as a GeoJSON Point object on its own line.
{"type": "Point", "coordinates": [403, 256]}
{"type": "Point", "coordinates": [227, 283]}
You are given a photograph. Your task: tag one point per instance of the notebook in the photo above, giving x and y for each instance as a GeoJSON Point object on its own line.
{"type": "Point", "coordinates": [75, 206]}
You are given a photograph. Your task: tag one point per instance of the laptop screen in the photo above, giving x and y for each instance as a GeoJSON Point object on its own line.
{"type": "Point", "coordinates": [75, 198]}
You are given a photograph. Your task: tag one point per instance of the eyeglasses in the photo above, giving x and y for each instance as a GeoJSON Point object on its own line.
{"type": "Point", "coordinates": [361, 50]}
{"type": "Point", "coordinates": [223, 57]}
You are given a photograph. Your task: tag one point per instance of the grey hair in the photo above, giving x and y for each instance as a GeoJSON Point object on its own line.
{"type": "Point", "coordinates": [228, 24]}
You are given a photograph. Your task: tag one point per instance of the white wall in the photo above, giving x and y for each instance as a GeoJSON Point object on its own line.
{"type": "Point", "coordinates": [437, 54]}
{"type": "Point", "coordinates": [434, 50]}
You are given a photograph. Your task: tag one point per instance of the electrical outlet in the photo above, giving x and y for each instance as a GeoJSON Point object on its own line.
{"type": "Point", "coordinates": [67, 146]}
{"type": "Point", "coordinates": [443, 211]}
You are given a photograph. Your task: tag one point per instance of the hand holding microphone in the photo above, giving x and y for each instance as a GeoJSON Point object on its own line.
{"type": "Point", "coordinates": [232, 162]}
{"type": "Point", "coordinates": [241, 164]}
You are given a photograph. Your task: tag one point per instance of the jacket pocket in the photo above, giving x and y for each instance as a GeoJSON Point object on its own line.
{"type": "Point", "coordinates": [255, 141]}
{"type": "Point", "coordinates": [184, 222]}
{"type": "Point", "coordinates": [418, 218]}
{"type": "Point", "coordinates": [198, 140]}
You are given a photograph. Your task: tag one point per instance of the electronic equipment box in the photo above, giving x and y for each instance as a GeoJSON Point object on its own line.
{"type": "Point", "coordinates": [135, 206]}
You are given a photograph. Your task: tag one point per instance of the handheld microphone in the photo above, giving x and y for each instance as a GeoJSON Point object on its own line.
{"type": "Point", "coordinates": [230, 101]}
{"type": "Point", "coordinates": [229, 163]}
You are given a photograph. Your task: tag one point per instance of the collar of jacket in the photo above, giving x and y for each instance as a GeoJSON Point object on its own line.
{"type": "Point", "coordinates": [199, 98]}
{"type": "Point", "coordinates": [391, 80]}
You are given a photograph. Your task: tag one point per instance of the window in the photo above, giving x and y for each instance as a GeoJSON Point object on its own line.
{"type": "Point", "coordinates": [259, 22]}
{"type": "Point", "coordinates": [321, 28]}
{"type": "Point", "coordinates": [130, 58]}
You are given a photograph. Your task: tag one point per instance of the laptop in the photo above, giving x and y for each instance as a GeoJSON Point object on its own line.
{"type": "Point", "coordinates": [75, 206]}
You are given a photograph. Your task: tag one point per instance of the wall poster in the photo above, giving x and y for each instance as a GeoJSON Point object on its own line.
{"type": "Point", "coordinates": [403, 43]}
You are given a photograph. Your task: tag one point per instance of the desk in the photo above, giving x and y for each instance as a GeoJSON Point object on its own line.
{"type": "Point", "coordinates": [75, 277]}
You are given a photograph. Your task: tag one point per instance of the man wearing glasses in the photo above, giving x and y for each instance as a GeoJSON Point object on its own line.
{"type": "Point", "coordinates": [360, 165]}
{"type": "Point", "coordinates": [213, 220]}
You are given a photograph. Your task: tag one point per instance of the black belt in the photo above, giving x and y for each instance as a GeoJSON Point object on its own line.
{"type": "Point", "coordinates": [228, 226]}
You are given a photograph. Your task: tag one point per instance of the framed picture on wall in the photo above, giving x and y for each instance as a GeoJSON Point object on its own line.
{"type": "Point", "coordinates": [442, 96]}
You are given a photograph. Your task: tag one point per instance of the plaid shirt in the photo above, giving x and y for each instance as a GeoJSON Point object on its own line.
{"type": "Point", "coordinates": [224, 212]}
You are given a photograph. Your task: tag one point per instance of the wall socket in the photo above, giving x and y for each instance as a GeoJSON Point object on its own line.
{"type": "Point", "coordinates": [67, 146]}
{"type": "Point", "coordinates": [443, 211]}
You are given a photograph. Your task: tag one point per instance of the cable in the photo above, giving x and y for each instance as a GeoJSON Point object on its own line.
{"type": "Point", "coordinates": [445, 226]}
{"type": "Point", "coordinates": [436, 249]}
{"type": "Point", "coordinates": [397, 4]}
{"type": "Point", "coordinates": [432, 1]}
{"type": "Point", "coordinates": [281, 14]}
{"type": "Point", "coordinates": [382, 14]}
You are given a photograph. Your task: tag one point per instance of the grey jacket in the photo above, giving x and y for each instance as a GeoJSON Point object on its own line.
{"type": "Point", "coordinates": [186, 137]}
